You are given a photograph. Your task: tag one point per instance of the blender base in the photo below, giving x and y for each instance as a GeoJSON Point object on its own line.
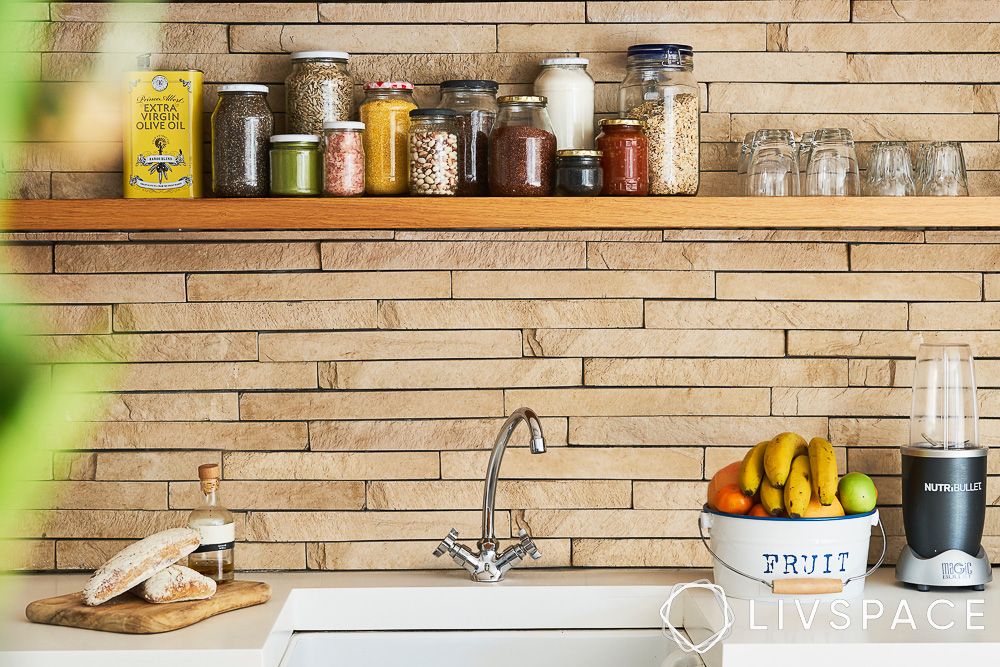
{"type": "Point", "coordinates": [952, 568]}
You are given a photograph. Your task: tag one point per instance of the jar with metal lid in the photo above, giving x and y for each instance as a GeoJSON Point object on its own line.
{"type": "Point", "coordinates": [475, 102]}
{"type": "Point", "coordinates": [567, 86]}
{"type": "Point", "coordinates": [242, 124]}
{"type": "Point", "coordinates": [343, 158]}
{"type": "Point", "coordinates": [296, 162]}
{"type": "Point", "coordinates": [522, 148]}
{"type": "Point", "coordinates": [578, 173]}
{"type": "Point", "coordinates": [660, 90]}
{"type": "Point", "coordinates": [625, 157]}
{"type": "Point", "coordinates": [434, 159]}
{"type": "Point", "coordinates": [320, 88]}
{"type": "Point", "coordinates": [386, 115]}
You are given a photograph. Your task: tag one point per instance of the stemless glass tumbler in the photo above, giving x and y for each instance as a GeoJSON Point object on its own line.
{"type": "Point", "coordinates": [774, 167]}
{"type": "Point", "coordinates": [942, 170]}
{"type": "Point", "coordinates": [833, 164]}
{"type": "Point", "coordinates": [889, 171]}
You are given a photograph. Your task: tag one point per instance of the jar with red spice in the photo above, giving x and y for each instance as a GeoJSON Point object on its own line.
{"type": "Point", "coordinates": [522, 148]}
{"type": "Point", "coordinates": [625, 159]}
{"type": "Point", "coordinates": [343, 158]}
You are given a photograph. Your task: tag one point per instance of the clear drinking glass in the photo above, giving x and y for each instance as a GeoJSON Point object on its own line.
{"type": "Point", "coordinates": [944, 413]}
{"type": "Point", "coordinates": [833, 165]}
{"type": "Point", "coordinates": [744, 162]}
{"type": "Point", "coordinates": [805, 146]}
{"type": "Point", "coordinates": [943, 171]}
{"type": "Point", "coordinates": [889, 171]}
{"type": "Point", "coordinates": [774, 165]}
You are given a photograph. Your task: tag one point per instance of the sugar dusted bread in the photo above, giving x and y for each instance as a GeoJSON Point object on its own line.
{"type": "Point", "coordinates": [138, 562]}
{"type": "Point", "coordinates": [175, 584]}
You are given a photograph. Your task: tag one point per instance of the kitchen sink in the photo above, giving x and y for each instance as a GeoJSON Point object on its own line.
{"type": "Point", "coordinates": [486, 648]}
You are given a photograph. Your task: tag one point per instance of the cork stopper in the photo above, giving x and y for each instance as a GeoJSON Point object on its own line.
{"type": "Point", "coordinates": [208, 471]}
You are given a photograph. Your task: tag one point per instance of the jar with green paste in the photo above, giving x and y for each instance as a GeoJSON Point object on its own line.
{"type": "Point", "coordinates": [296, 165]}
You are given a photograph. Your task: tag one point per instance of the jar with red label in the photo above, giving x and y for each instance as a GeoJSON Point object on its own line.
{"type": "Point", "coordinates": [625, 159]}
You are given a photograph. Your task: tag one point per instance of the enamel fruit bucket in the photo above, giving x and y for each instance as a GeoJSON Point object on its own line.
{"type": "Point", "coordinates": [769, 558]}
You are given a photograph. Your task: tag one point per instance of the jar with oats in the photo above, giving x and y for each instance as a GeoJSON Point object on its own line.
{"type": "Point", "coordinates": [660, 90]}
{"type": "Point", "coordinates": [320, 88]}
{"type": "Point", "coordinates": [386, 115]}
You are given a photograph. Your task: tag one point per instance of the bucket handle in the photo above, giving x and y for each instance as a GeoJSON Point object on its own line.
{"type": "Point", "coordinates": [801, 585]}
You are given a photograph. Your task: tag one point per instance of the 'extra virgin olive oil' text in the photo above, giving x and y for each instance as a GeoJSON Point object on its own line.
{"type": "Point", "coordinates": [162, 133]}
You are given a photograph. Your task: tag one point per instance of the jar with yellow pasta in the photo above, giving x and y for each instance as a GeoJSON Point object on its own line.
{"type": "Point", "coordinates": [386, 115]}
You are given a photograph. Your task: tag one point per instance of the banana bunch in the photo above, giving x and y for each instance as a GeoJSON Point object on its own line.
{"type": "Point", "coordinates": [787, 472]}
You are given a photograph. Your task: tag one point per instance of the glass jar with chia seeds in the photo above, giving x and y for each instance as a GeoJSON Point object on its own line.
{"type": "Point", "coordinates": [343, 158]}
{"type": "Point", "coordinates": [578, 173]}
{"type": "Point", "coordinates": [434, 158]}
{"type": "Point", "coordinates": [296, 165]}
{"type": "Point", "coordinates": [522, 148]}
{"type": "Point", "coordinates": [242, 123]}
{"type": "Point", "coordinates": [475, 102]}
{"type": "Point", "coordinates": [660, 90]}
{"type": "Point", "coordinates": [386, 115]}
{"type": "Point", "coordinates": [320, 88]}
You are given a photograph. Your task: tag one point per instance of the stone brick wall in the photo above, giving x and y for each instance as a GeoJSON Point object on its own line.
{"type": "Point", "coordinates": [351, 383]}
{"type": "Point", "coordinates": [906, 69]}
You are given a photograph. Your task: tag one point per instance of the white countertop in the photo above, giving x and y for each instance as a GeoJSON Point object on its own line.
{"type": "Point", "coordinates": [440, 600]}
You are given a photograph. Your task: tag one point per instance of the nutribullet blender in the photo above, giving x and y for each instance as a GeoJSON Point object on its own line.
{"type": "Point", "coordinates": [944, 475]}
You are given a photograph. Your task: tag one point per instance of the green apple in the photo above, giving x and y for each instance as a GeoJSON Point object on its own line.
{"type": "Point", "coordinates": [857, 493]}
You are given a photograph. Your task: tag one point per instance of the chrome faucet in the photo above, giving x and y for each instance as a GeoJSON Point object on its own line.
{"type": "Point", "coordinates": [488, 565]}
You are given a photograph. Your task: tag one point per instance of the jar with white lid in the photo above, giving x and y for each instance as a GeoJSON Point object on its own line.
{"type": "Point", "coordinates": [343, 158]}
{"type": "Point", "coordinates": [296, 168]}
{"type": "Point", "coordinates": [242, 124]}
{"type": "Point", "coordinates": [319, 89]}
{"type": "Point", "coordinates": [567, 86]}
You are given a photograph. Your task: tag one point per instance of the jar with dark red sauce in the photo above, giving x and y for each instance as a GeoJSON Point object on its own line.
{"type": "Point", "coordinates": [625, 159]}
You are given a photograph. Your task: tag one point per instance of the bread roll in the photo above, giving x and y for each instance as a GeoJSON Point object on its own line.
{"type": "Point", "coordinates": [175, 584]}
{"type": "Point", "coordinates": [138, 562]}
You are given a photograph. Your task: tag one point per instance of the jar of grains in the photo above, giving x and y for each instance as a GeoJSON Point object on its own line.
{"type": "Point", "coordinates": [343, 158]}
{"type": "Point", "coordinates": [433, 152]}
{"type": "Point", "coordinates": [564, 82]}
{"type": "Point", "coordinates": [386, 115]}
{"type": "Point", "coordinates": [295, 165]}
{"type": "Point", "coordinates": [522, 148]}
{"type": "Point", "coordinates": [660, 90]}
{"type": "Point", "coordinates": [242, 123]}
{"type": "Point", "coordinates": [475, 102]}
{"type": "Point", "coordinates": [578, 173]}
{"type": "Point", "coordinates": [319, 89]}
{"type": "Point", "coordinates": [626, 155]}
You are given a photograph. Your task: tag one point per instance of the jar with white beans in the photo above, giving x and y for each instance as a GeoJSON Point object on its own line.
{"type": "Point", "coordinates": [434, 155]}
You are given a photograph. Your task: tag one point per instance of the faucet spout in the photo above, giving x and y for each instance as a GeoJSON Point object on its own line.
{"type": "Point", "coordinates": [529, 417]}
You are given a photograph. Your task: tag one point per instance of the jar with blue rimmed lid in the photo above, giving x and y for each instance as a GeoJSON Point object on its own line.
{"type": "Point", "coordinates": [660, 89]}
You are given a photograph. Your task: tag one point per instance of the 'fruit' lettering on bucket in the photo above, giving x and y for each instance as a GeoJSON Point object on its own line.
{"type": "Point", "coordinates": [807, 563]}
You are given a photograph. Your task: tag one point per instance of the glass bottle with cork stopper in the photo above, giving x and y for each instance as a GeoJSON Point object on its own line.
{"type": "Point", "coordinates": [214, 557]}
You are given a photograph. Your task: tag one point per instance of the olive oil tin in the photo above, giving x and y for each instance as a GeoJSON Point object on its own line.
{"type": "Point", "coordinates": [163, 134]}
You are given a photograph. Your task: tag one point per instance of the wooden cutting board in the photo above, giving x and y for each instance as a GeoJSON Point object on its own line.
{"type": "Point", "coordinates": [129, 614]}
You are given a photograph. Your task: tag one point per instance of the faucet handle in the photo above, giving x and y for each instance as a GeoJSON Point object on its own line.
{"type": "Point", "coordinates": [447, 544]}
{"type": "Point", "coordinates": [528, 545]}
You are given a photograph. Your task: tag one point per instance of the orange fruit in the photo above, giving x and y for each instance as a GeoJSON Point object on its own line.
{"type": "Point", "coordinates": [758, 510]}
{"type": "Point", "coordinates": [815, 510]}
{"type": "Point", "coordinates": [731, 500]}
{"type": "Point", "coordinates": [726, 475]}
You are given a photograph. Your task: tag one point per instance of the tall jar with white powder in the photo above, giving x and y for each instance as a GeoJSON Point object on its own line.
{"type": "Point", "coordinates": [570, 91]}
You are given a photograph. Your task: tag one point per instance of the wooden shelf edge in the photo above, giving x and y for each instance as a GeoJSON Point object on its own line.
{"type": "Point", "coordinates": [498, 213]}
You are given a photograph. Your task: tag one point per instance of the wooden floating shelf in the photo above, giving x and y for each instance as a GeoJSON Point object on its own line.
{"type": "Point", "coordinates": [500, 213]}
